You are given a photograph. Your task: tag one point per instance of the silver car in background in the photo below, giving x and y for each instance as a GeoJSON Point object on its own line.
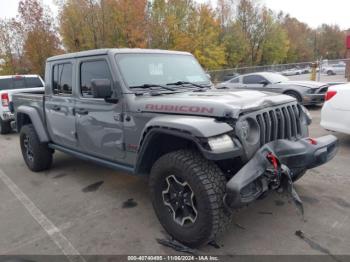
{"type": "Point", "coordinates": [306, 92]}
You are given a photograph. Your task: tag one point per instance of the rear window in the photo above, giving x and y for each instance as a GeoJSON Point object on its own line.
{"type": "Point", "coordinates": [20, 82]}
{"type": "Point", "coordinates": [5, 83]}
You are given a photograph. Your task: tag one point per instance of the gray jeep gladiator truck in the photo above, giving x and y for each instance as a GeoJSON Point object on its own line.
{"type": "Point", "coordinates": [154, 112]}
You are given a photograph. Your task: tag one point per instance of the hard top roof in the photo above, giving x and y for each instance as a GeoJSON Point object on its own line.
{"type": "Point", "coordinates": [96, 52]}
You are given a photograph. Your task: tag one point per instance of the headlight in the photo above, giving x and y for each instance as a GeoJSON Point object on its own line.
{"type": "Point", "coordinates": [221, 144]}
{"type": "Point", "coordinates": [248, 130]}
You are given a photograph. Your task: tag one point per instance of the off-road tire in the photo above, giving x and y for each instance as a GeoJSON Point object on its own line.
{"type": "Point", "coordinates": [5, 127]}
{"type": "Point", "coordinates": [41, 153]}
{"type": "Point", "coordinates": [295, 95]}
{"type": "Point", "coordinates": [298, 173]}
{"type": "Point", "coordinates": [208, 184]}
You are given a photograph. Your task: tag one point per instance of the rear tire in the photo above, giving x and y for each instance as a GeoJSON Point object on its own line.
{"type": "Point", "coordinates": [37, 155]}
{"type": "Point", "coordinates": [295, 95]}
{"type": "Point", "coordinates": [198, 221]}
{"type": "Point", "coordinates": [330, 73]}
{"type": "Point", "coordinates": [5, 127]}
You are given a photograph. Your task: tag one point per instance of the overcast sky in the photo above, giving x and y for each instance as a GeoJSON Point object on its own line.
{"type": "Point", "coordinates": [312, 12]}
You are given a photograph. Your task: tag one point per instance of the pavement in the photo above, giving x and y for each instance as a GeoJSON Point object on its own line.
{"type": "Point", "coordinates": [80, 208]}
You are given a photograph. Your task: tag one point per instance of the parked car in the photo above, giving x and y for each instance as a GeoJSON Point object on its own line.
{"type": "Point", "coordinates": [229, 76]}
{"type": "Point", "coordinates": [335, 114]}
{"type": "Point", "coordinates": [337, 69]}
{"type": "Point", "coordinates": [292, 72]}
{"type": "Point", "coordinates": [306, 70]}
{"type": "Point", "coordinates": [306, 92]}
{"type": "Point", "coordinates": [153, 112]}
{"type": "Point", "coordinates": [12, 84]}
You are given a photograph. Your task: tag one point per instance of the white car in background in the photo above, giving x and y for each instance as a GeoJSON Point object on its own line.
{"type": "Point", "coordinates": [12, 84]}
{"type": "Point", "coordinates": [335, 114]}
{"type": "Point", "coordinates": [292, 72]}
{"type": "Point", "coordinates": [337, 69]}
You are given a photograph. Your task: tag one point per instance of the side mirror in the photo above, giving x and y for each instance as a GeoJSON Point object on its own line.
{"type": "Point", "coordinates": [264, 82]}
{"type": "Point", "coordinates": [101, 88]}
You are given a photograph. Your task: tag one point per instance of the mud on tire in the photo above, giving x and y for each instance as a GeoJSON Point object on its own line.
{"type": "Point", "coordinates": [37, 155]}
{"type": "Point", "coordinates": [188, 171]}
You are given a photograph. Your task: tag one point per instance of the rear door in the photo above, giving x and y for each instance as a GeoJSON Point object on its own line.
{"type": "Point", "coordinates": [60, 103]}
{"type": "Point", "coordinates": [99, 124]}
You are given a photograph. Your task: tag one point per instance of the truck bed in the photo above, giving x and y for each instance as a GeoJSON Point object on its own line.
{"type": "Point", "coordinates": [32, 99]}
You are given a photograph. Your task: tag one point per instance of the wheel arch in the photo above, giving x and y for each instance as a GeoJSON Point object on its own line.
{"type": "Point", "coordinates": [164, 134]}
{"type": "Point", "coordinates": [27, 115]}
{"type": "Point", "coordinates": [159, 141]}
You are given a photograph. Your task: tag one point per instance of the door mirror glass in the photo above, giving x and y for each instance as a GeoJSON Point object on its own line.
{"type": "Point", "coordinates": [101, 88]}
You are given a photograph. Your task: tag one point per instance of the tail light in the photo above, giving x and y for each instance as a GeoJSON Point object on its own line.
{"type": "Point", "coordinates": [330, 94]}
{"type": "Point", "coordinates": [5, 99]}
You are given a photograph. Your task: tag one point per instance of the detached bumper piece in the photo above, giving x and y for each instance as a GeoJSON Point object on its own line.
{"type": "Point", "coordinates": [266, 170]}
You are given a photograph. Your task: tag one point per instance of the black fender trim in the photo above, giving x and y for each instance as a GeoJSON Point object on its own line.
{"type": "Point", "coordinates": [145, 143]}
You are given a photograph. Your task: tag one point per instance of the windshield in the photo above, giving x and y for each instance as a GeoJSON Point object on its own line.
{"type": "Point", "coordinates": [277, 78]}
{"type": "Point", "coordinates": [160, 69]}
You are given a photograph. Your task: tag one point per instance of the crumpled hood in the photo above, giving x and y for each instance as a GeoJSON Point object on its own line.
{"type": "Point", "coordinates": [217, 103]}
{"type": "Point", "coordinates": [309, 84]}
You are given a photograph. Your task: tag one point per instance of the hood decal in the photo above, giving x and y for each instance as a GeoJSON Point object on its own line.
{"type": "Point", "coordinates": [179, 108]}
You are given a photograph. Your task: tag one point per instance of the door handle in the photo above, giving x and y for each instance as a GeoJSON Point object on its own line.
{"type": "Point", "coordinates": [81, 111]}
{"type": "Point", "coordinates": [56, 108]}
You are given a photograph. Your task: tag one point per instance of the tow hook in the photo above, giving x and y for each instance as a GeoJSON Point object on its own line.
{"type": "Point", "coordinates": [282, 181]}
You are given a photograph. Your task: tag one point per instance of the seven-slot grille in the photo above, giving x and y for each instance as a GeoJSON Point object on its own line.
{"type": "Point", "coordinates": [279, 123]}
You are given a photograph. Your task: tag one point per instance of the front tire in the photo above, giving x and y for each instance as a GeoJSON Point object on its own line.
{"type": "Point", "coordinates": [5, 127]}
{"type": "Point", "coordinates": [295, 95]}
{"type": "Point", "coordinates": [187, 195]}
{"type": "Point", "coordinates": [37, 155]}
{"type": "Point", "coordinates": [330, 73]}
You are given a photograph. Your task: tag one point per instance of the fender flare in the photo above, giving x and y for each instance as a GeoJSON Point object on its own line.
{"type": "Point", "coordinates": [36, 120]}
{"type": "Point", "coordinates": [185, 127]}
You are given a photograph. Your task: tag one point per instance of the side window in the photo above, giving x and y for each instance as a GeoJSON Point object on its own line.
{"type": "Point", "coordinates": [62, 79]}
{"type": "Point", "coordinates": [235, 80]}
{"type": "Point", "coordinates": [253, 79]}
{"type": "Point", "coordinates": [92, 70]}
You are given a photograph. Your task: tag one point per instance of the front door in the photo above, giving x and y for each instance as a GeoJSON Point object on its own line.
{"type": "Point", "coordinates": [59, 106]}
{"type": "Point", "coordinates": [99, 124]}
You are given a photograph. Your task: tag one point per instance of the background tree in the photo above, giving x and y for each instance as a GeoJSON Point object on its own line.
{"type": "Point", "coordinates": [40, 40]}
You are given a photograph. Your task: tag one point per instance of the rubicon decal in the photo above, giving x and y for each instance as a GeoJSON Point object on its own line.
{"type": "Point", "coordinates": [180, 109]}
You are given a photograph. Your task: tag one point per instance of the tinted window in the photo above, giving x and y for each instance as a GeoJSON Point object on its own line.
{"type": "Point", "coordinates": [33, 82]}
{"type": "Point", "coordinates": [235, 80]}
{"type": "Point", "coordinates": [62, 79]}
{"type": "Point", "coordinates": [5, 83]}
{"type": "Point", "coordinates": [253, 79]}
{"type": "Point", "coordinates": [19, 82]}
{"type": "Point", "coordinates": [92, 70]}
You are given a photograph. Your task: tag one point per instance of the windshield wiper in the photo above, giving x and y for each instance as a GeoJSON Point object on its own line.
{"type": "Point", "coordinates": [180, 83]}
{"type": "Point", "coordinates": [149, 86]}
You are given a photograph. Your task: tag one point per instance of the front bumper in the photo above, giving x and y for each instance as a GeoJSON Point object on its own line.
{"type": "Point", "coordinates": [313, 99]}
{"type": "Point", "coordinates": [251, 181]}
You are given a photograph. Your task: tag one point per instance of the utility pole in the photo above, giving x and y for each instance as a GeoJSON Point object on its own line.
{"type": "Point", "coordinates": [347, 72]}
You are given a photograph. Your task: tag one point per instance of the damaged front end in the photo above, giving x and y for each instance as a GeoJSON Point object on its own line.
{"type": "Point", "coordinates": [271, 166]}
